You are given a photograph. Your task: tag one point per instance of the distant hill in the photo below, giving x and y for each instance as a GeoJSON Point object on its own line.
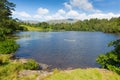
{"type": "Point", "coordinates": [52, 21]}
{"type": "Point", "coordinates": [62, 21]}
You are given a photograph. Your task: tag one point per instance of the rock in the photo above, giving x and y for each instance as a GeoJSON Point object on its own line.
{"type": "Point", "coordinates": [43, 66]}
{"type": "Point", "coordinates": [28, 72]}
{"type": "Point", "coordinates": [22, 60]}
{"type": "Point", "coordinates": [40, 73]}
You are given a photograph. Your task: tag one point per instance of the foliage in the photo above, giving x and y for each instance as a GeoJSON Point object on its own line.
{"type": "Point", "coordinates": [7, 24]}
{"type": "Point", "coordinates": [111, 60]}
{"type": "Point", "coordinates": [8, 46]}
{"type": "Point", "coordinates": [31, 65]}
{"type": "Point", "coordinates": [104, 25]}
{"type": "Point", "coordinates": [9, 68]}
{"type": "Point", "coordinates": [6, 9]}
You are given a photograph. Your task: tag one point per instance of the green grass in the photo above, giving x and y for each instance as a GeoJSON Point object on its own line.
{"type": "Point", "coordinates": [84, 74]}
{"type": "Point", "coordinates": [9, 70]}
{"type": "Point", "coordinates": [29, 28]}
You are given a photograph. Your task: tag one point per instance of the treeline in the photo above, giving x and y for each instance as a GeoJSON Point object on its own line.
{"type": "Point", "coordinates": [104, 25]}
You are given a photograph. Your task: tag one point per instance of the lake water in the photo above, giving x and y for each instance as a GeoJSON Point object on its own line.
{"type": "Point", "coordinates": [64, 49]}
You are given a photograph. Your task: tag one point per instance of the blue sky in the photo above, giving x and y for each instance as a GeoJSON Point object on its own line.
{"type": "Point", "coordinates": [42, 10]}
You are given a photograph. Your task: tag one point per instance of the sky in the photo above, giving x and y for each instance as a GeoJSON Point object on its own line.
{"type": "Point", "coordinates": [44, 10]}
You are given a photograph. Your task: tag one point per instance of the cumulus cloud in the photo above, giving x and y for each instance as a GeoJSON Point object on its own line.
{"type": "Point", "coordinates": [42, 14]}
{"type": "Point", "coordinates": [22, 14]}
{"type": "Point", "coordinates": [60, 14]}
{"type": "Point", "coordinates": [103, 15]}
{"type": "Point", "coordinates": [37, 16]}
{"type": "Point", "coordinates": [68, 6]}
{"type": "Point", "coordinates": [42, 11]}
{"type": "Point", "coordinates": [82, 4]}
{"type": "Point", "coordinates": [81, 16]}
{"type": "Point", "coordinates": [72, 13]}
{"type": "Point", "coordinates": [61, 11]}
{"type": "Point", "coordinates": [54, 17]}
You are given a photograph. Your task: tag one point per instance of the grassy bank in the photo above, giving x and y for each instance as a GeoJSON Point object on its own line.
{"type": "Point", "coordinates": [10, 67]}
{"type": "Point", "coordinates": [15, 69]}
{"type": "Point", "coordinates": [83, 74]}
{"type": "Point", "coordinates": [11, 72]}
{"type": "Point", "coordinates": [32, 28]}
{"type": "Point", "coordinates": [29, 28]}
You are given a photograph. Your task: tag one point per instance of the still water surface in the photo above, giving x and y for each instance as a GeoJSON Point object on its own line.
{"type": "Point", "coordinates": [64, 49]}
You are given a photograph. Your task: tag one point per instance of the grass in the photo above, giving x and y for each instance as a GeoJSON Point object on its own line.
{"type": "Point", "coordinates": [9, 70]}
{"type": "Point", "coordinates": [84, 74]}
{"type": "Point", "coordinates": [29, 28]}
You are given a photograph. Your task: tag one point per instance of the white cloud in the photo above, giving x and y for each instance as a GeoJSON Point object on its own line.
{"type": "Point", "coordinates": [49, 17]}
{"type": "Point", "coordinates": [72, 13]}
{"type": "Point", "coordinates": [54, 17]}
{"type": "Point", "coordinates": [42, 11]}
{"type": "Point", "coordinates": [62, 14]}
{"type": "Point", "coordinates": [82, 16]}
{"type": "Point", "coordinates": [22, 14]}
{"type": "Point", "coordinates": [68, 6]}
{"type": "Point", "coordinates": [37, 16]}
{"type": "Point", "coordinates": [82, 4]}
{"type": "Point", "coordinates": [103, 15]}
{"type": "Point", "coordinates": [58, 15]}
{"type": "Point", "coordinates": [61, 11]}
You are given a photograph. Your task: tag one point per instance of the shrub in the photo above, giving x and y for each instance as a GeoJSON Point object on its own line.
{"type": "Point", "coordinates": [31, 65]}
{"type": "Point", "coordinates": [111, 60]}
{"type": "Point", "coordinates": [8, 46]}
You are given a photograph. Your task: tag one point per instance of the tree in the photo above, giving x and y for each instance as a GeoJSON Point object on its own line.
{"type": "Point", "coordinates": [6, 9]}
{"type": "Point", "coordinates": [111, 60]}
{"type": "Point", "coordinates": [7, 24]}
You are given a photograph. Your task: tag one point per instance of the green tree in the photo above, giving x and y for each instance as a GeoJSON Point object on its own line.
{"type": "Point", "coordinates": [6, 9]}
{"type": "Point", "coordinates": [111, 60]}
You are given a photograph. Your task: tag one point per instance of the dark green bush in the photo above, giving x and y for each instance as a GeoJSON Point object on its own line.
{"type": "Point", "coordinates": [22, 28]}
{"type": "Point", "coordinates": [8, 46]}
{"type": "Point", "coordinates": [111, 60]}
{"type": "Point", "coordinates": [31, 65]}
